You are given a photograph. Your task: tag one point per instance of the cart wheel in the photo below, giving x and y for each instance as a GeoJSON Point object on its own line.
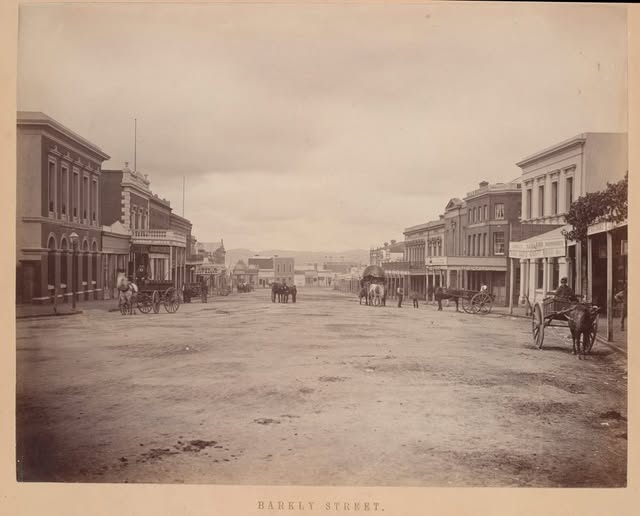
{"type": "Point", "coordinates": [171, 300]}
{"type": "Point", "coordinates": [591, 336]}
{"type": "Point", "coordinates": [537, 326]}
{"type": "Point", "coordinates": [467, 306]}
{"type": "Point", "coordinates": [144, 303]}
{"type": "Point", "coordinates": [155, 301]}
{"type": "Point", "coordinates": [482, 303]}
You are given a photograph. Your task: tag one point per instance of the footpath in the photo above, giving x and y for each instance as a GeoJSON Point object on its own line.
{"type": "Point", "coordinates": [65, 309]}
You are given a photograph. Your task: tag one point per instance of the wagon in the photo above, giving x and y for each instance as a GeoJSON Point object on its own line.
{"type": "Point", "coordinates": [552, 311]}
{"type": "Point", "coordinates": [194, 290]}
{"type": "Point", "coordinates": [473, 301]}
{"type": "Point", "coordinates": [153, 293]}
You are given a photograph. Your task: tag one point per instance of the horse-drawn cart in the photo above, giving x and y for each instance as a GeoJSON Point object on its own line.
{"type": "Point", "coordinates": [373, 286]}
{"type": "Point", "coordinates": [473, 301]}
{"type": "Point", "coordinates": [194, 290]}
{"type": "Point", "coordinates": [153, 293]}
{"type": "Point", "coordinates": [558, 310]}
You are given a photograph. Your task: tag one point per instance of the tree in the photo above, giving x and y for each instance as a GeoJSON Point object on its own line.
{"type": "Point", "coordinates": [610, 205]}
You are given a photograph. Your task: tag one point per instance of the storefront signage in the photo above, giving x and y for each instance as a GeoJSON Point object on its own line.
{"type": "Point", "coordinates": [159, 249]}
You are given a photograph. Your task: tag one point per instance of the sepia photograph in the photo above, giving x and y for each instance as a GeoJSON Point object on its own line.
{"type": "Point", "coordinates": [370, 245]}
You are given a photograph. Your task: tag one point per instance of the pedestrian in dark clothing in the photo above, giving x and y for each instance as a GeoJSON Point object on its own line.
{"type": "Point", "coordinates": [294, 293]}
{"type": "Point", "coordinates": [400, 293]}
{"type": "Point", "coordinates": [414, 297]}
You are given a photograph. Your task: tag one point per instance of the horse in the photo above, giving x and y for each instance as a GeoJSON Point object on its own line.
{"type": "Point", "coordinates": [581, 319]}
{"type": "Point", "coordinates": [363, 295]}
{"type": "Point", "coordinates": [127, 298]}
{"type": "Point", "coordinates": [376, 294]}
{"type": "Point", "coordinates": [441, 293]}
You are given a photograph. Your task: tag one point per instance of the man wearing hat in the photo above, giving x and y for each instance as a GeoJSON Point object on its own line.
{"type": "Point", "coordinates": [564, 290]}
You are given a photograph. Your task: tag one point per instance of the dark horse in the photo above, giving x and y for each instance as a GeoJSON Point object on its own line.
{"type": "Point", "coordinates": [581, 319]}
{"type": "Point", "coordinates": [363, 295]}
{"type": "Point", "coordinates": [443, 293]}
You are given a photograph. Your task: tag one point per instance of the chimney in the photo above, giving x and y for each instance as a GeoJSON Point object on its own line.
{"type": "Point", "coordinates": [483, 184]}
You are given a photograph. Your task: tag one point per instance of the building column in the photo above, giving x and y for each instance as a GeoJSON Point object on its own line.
{"type": "Point", "coordinates": [521, 292]}
{"type": "Point", "coordinates": [80, 266]}
{"type": "Point", "coordinates": [532, 285]}
{"type": "Point", "coordinates": [43, 291]}
{"type": "Point", "coordinates": [590, 267]}
{"type": "Point", "coordinates": [99, 276]}
{"type": "Point", "coordinates": [609, 285]}
{"type": "Point", "coordinates": [546, 280]}
{"type": "Point", "coordinates": [578, 266]}
{"type": "Point", "coordinates": [70, 282]}
{"type": "Point", "coordinates": [511, 277]}
{"type": "Point", "coordinates": [58, 274]}
{"type": "Point", "coordinates": [171, 263]}
{"type": "Point", "coordinates": [90, 273]}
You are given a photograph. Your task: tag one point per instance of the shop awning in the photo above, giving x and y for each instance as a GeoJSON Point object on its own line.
{"type": "Point", "coordinates": [546, 245]}
{"type": "Point", "coordinates": [603, 227]}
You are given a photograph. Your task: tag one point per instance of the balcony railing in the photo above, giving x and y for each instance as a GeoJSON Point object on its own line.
{"type": "Point", "coordinates": [159, 237]}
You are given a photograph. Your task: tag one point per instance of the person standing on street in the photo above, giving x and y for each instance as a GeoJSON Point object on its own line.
{"type": "Point", "coordinates": [294, 293]}
{"type": "Point", "coordinates": [400, 293]}
{"type": "Point", "coordinates": [414, 297]}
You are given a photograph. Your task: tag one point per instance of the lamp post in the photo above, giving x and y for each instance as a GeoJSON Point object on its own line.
{"type": "Point", "coordinates": [74, 267]}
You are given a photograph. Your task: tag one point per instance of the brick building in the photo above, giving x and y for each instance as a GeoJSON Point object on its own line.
{"type": "Point", "coordinates": [492, 211]}
{"type": "Point", "coordinates": [160, 238]}
{"type": "Point", "coordinates": [58, 197]}
{"type": "Point", "coordinates": [284, 269]}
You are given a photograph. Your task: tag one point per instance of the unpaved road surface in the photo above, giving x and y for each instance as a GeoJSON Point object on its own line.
{"type": "Point", "coordinates": [321, 392]}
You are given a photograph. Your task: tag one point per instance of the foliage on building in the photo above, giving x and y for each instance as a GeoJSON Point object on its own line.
{"type": "Point", "coordinates": [610, 205]}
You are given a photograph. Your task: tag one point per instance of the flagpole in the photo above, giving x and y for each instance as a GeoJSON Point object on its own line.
{"type": "Point", "coordinates": [135, 143]}
{"type": "Point", "coordinates": [183, 182]}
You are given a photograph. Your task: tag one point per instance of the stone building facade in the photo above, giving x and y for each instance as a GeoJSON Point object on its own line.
{"type": "Point", "coordinates": [58, 207]}
{"type": "Point", "coordinates": [551, 180]}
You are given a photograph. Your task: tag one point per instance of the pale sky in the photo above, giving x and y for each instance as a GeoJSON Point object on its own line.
{"type": "Point", "coordinates": [323, 127]}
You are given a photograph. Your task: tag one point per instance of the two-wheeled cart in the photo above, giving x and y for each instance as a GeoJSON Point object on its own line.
{"type": "Point", "coordinates": [553, 311]}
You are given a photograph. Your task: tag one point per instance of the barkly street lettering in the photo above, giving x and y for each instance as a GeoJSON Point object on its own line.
{"type": "Point", "coordinates": [323, 506]}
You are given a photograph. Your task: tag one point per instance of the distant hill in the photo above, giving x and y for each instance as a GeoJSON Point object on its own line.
{"type": "Point", "coordinates": [360, 256]}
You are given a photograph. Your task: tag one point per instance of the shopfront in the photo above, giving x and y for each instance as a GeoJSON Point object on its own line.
{"type": "Point", "coordinates": [607, 270]}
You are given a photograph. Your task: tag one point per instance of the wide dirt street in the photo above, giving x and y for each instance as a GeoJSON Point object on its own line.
{"type": "Point", "coordinates": [321, 392]}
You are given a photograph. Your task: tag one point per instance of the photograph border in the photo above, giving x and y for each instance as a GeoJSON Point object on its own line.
{"type": "Point", "coordinates": [112, 499]}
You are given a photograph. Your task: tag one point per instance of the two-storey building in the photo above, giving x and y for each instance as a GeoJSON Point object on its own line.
{"type": "Point", "coordinates": [551, 180]}
{"type": "Point", "coordinates": [284, 269]}
{"type": "Point", "coordinates": [492, 211]}
{"type": "Point", "coordinates": [58, 208]}
{"type": "Point", "coordinates": [159, 237]}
